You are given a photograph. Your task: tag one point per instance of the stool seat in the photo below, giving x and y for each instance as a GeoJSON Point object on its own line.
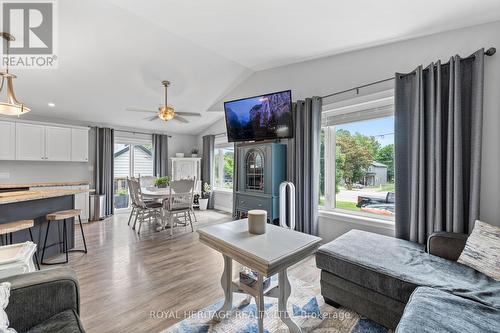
{"type": "Point", "coordinates": [7, 228]}
{"type": "Point", "coordinates": [64, 214]}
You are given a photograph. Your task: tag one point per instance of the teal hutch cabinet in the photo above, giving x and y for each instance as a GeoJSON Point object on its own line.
{"type": "Point", "coordinates": [260, 169]}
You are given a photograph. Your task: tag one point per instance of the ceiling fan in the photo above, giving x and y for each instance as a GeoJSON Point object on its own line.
{"type": "Point", "coordinates": [166, 112]}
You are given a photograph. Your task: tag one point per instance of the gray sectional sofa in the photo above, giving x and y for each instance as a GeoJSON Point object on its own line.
{"type": "Point", "coordinates": [393, 281]}
{"type": "Point", "coordinates": [45, 301]}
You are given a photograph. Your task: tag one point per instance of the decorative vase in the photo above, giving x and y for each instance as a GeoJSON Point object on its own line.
{"type": "Point", "coordinates": [179, 154]}
{"type": "Point", "coordinates": [203, 203]}
{"type": "Point", "coordinates": [257, 220]}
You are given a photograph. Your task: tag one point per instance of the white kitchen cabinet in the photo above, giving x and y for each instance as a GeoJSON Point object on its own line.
{"type": "Point", "coordinates": [79, 145]}
{"type": "Point", "coordinates": [82, 202]}
{"type": "Point", "coordinates": [7, 140]}
{"type": "Point", "coordinates": [57, 143]}
{"type": "Point", "coordinates": [30, 142]}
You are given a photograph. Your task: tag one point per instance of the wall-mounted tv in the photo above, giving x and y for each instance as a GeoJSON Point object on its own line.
{"type": "Point", "coordinates": [264, 117]}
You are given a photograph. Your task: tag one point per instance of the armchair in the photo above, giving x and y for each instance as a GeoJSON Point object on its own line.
{"type": "Point", "coordinates": [44, 301]}
{"type": "Point", "coordinates": [447, 245]}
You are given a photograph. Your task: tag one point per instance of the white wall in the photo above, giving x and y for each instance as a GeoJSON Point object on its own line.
{"type": "Point", "coordinates": [336, 73]}
{"type": "Point", "coordinates": [22, 172]}
{"type": "Point", "coordinates": [182, 143]}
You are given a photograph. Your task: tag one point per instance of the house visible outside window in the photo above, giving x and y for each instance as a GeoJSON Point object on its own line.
{"type": "Point", "coordinates": [357, 157]}
{"type": "Point", "coordinates": [224, 165]}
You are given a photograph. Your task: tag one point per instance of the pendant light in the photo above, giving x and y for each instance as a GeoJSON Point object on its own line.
{"type": "Point", "coordinates": [9, 105]}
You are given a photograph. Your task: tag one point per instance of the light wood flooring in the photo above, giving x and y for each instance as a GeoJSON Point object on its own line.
{"type": "Point", "coordinates": [125, 277]}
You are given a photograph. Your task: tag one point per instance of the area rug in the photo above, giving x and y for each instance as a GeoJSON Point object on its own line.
{"type": "Point", "coordinates": [308, 310]}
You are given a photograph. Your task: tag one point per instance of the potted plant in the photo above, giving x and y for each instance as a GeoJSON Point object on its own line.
{"type": "Point", "coordinates": [194, 152]}
{"type": "Point", "coordinates": [121, 198]}
{"type": "Point", "coordinates": [162, 182]}
{"type": "Point", "coordinates": [205, 195]}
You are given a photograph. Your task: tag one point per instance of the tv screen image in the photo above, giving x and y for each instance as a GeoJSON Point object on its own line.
{"type": "Point", "coordinates": [260, 118]}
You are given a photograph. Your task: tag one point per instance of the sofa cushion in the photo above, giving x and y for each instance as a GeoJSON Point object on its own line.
{"type": "Point", "coordinates": [396, 267]}
{"type": "Point", "coordinates": [63, 322]}
{"type": "Point", "coordinates": [430, 310]}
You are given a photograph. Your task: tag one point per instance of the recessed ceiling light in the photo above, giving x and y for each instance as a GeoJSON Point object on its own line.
{"type": "Point", "coordinates": [52, 105]}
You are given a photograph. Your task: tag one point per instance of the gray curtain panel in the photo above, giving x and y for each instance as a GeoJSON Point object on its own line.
{"type": "Point", "coordinates": [207, 164]}
{"type": "Point", "coordinates": [160, 155]}
{"type": "Point", "coordinates": [303, 162]}
{"type": "Point", "coordinates": [104, 165]}
{"type": "Point", "coordinates": [438, 125]}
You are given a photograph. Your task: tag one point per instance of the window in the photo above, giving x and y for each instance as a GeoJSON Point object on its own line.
{"type": "Point", "coordinates": [224, 165]}
{"type": "Point", "coordinates": [357, 158]}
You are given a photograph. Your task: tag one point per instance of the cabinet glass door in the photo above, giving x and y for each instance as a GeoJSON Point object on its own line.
{"type": "Point", "coordinates": [254, 170]}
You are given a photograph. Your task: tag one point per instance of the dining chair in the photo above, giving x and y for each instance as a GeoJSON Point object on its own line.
{"type": "Point", "coordinates": [142, 209]}
{"type": "Point", "coordinates": [147, 181]}
{"type": "Point", "coordinates": [179, 201]}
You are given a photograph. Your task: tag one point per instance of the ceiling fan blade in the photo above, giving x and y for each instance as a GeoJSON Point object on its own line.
{"type": "Point", "coordinates": [189, 114]}
{"type": "Point", "coordinates": [139, 110]}
{"type": "Point", "coordinates": [153, 118]}
{"type": "Point", "coordinates": [181, 119]}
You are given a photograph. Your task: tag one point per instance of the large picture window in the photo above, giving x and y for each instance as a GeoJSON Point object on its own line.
{"type": "Point", "coordinates": [224, 166]}
{"type": "Point", "coordinates": [357, 159]}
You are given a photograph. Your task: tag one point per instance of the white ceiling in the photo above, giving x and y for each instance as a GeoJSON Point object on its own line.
{"type": "Point", "coordinates": [114, 53]}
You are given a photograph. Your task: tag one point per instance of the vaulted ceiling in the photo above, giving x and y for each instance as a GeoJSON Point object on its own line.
{"type": "Point", "coordinates": [113, 54]}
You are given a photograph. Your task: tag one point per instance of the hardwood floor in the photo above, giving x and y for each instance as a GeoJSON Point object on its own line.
{"type": "Point", "coordinates": [126, 277]}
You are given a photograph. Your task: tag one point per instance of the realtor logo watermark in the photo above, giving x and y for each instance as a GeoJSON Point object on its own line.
{"type": "Point", "coordinates": [33, 25]}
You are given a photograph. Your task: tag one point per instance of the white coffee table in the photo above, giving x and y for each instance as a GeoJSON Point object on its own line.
{"type": "Point", "coordinates": [268, 254]}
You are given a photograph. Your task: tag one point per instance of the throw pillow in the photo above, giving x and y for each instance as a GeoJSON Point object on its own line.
{"type": "Point", "coordinates": [4, 301]}
{"type": "Point", "coordinates": [482, 250]}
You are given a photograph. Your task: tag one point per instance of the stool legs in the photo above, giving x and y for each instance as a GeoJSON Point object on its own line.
{"type": "Point", "coordinates": [83, 234]}
{"type": "Point", "coordinates": [36, 255]}
{"type": "Point", "coordinates": [64, 242]}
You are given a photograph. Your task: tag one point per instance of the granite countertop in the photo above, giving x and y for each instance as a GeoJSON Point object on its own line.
{"type": "Point", "coordinates": [44, 184]}
{"type": "Point", "coordinates": [19, 196]}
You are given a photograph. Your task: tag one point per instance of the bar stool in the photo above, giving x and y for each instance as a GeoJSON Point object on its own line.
{"type": "Point", "coordinates": [63, 216]}
{"type": "Point", "coordinates": [8, 228]}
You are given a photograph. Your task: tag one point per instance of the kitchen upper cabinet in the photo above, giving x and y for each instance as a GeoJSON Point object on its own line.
{"type": "Point", "coordinates": [79, 145]}
{"type": "Point", "coordinates": [27, 141]}
{"type": "Point", "coordinates": [57, 143]}
{"type": "Point", "coordinates": [7, 140]}
{"type": "Point", "coordinates": [30, 142]}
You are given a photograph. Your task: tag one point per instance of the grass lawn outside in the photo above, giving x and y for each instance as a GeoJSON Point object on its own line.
{"type": "Point", "coordinates": [346, 205]}
{"type": "Point", "coordinates": [340, 204]}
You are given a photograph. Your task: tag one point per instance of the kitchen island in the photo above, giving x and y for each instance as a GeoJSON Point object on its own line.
{"type": "Point", "coordinates": [35, 205]}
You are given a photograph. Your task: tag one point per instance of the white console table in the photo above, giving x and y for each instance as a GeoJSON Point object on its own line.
{"type": "Point", "coordinates": [268, 254]}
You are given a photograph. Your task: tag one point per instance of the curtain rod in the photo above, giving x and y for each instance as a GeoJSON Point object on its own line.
{"type": "Point", "coordinates": [489, 52]}
{"type": "Point", "coordinates": [133, 132]}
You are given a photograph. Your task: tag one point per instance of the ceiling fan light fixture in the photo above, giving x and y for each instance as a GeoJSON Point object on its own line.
{"type": "Point", "coordinates": [166, 113]}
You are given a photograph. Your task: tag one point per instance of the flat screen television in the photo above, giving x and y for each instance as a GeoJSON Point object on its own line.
{"type": "Point", "coordinates": [263, 117]}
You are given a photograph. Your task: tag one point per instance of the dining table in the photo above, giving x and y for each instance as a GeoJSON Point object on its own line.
{"type": "Point", "coordinates": [155, 193]}
{"type": "Point", "coordinates": [160, 194]}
